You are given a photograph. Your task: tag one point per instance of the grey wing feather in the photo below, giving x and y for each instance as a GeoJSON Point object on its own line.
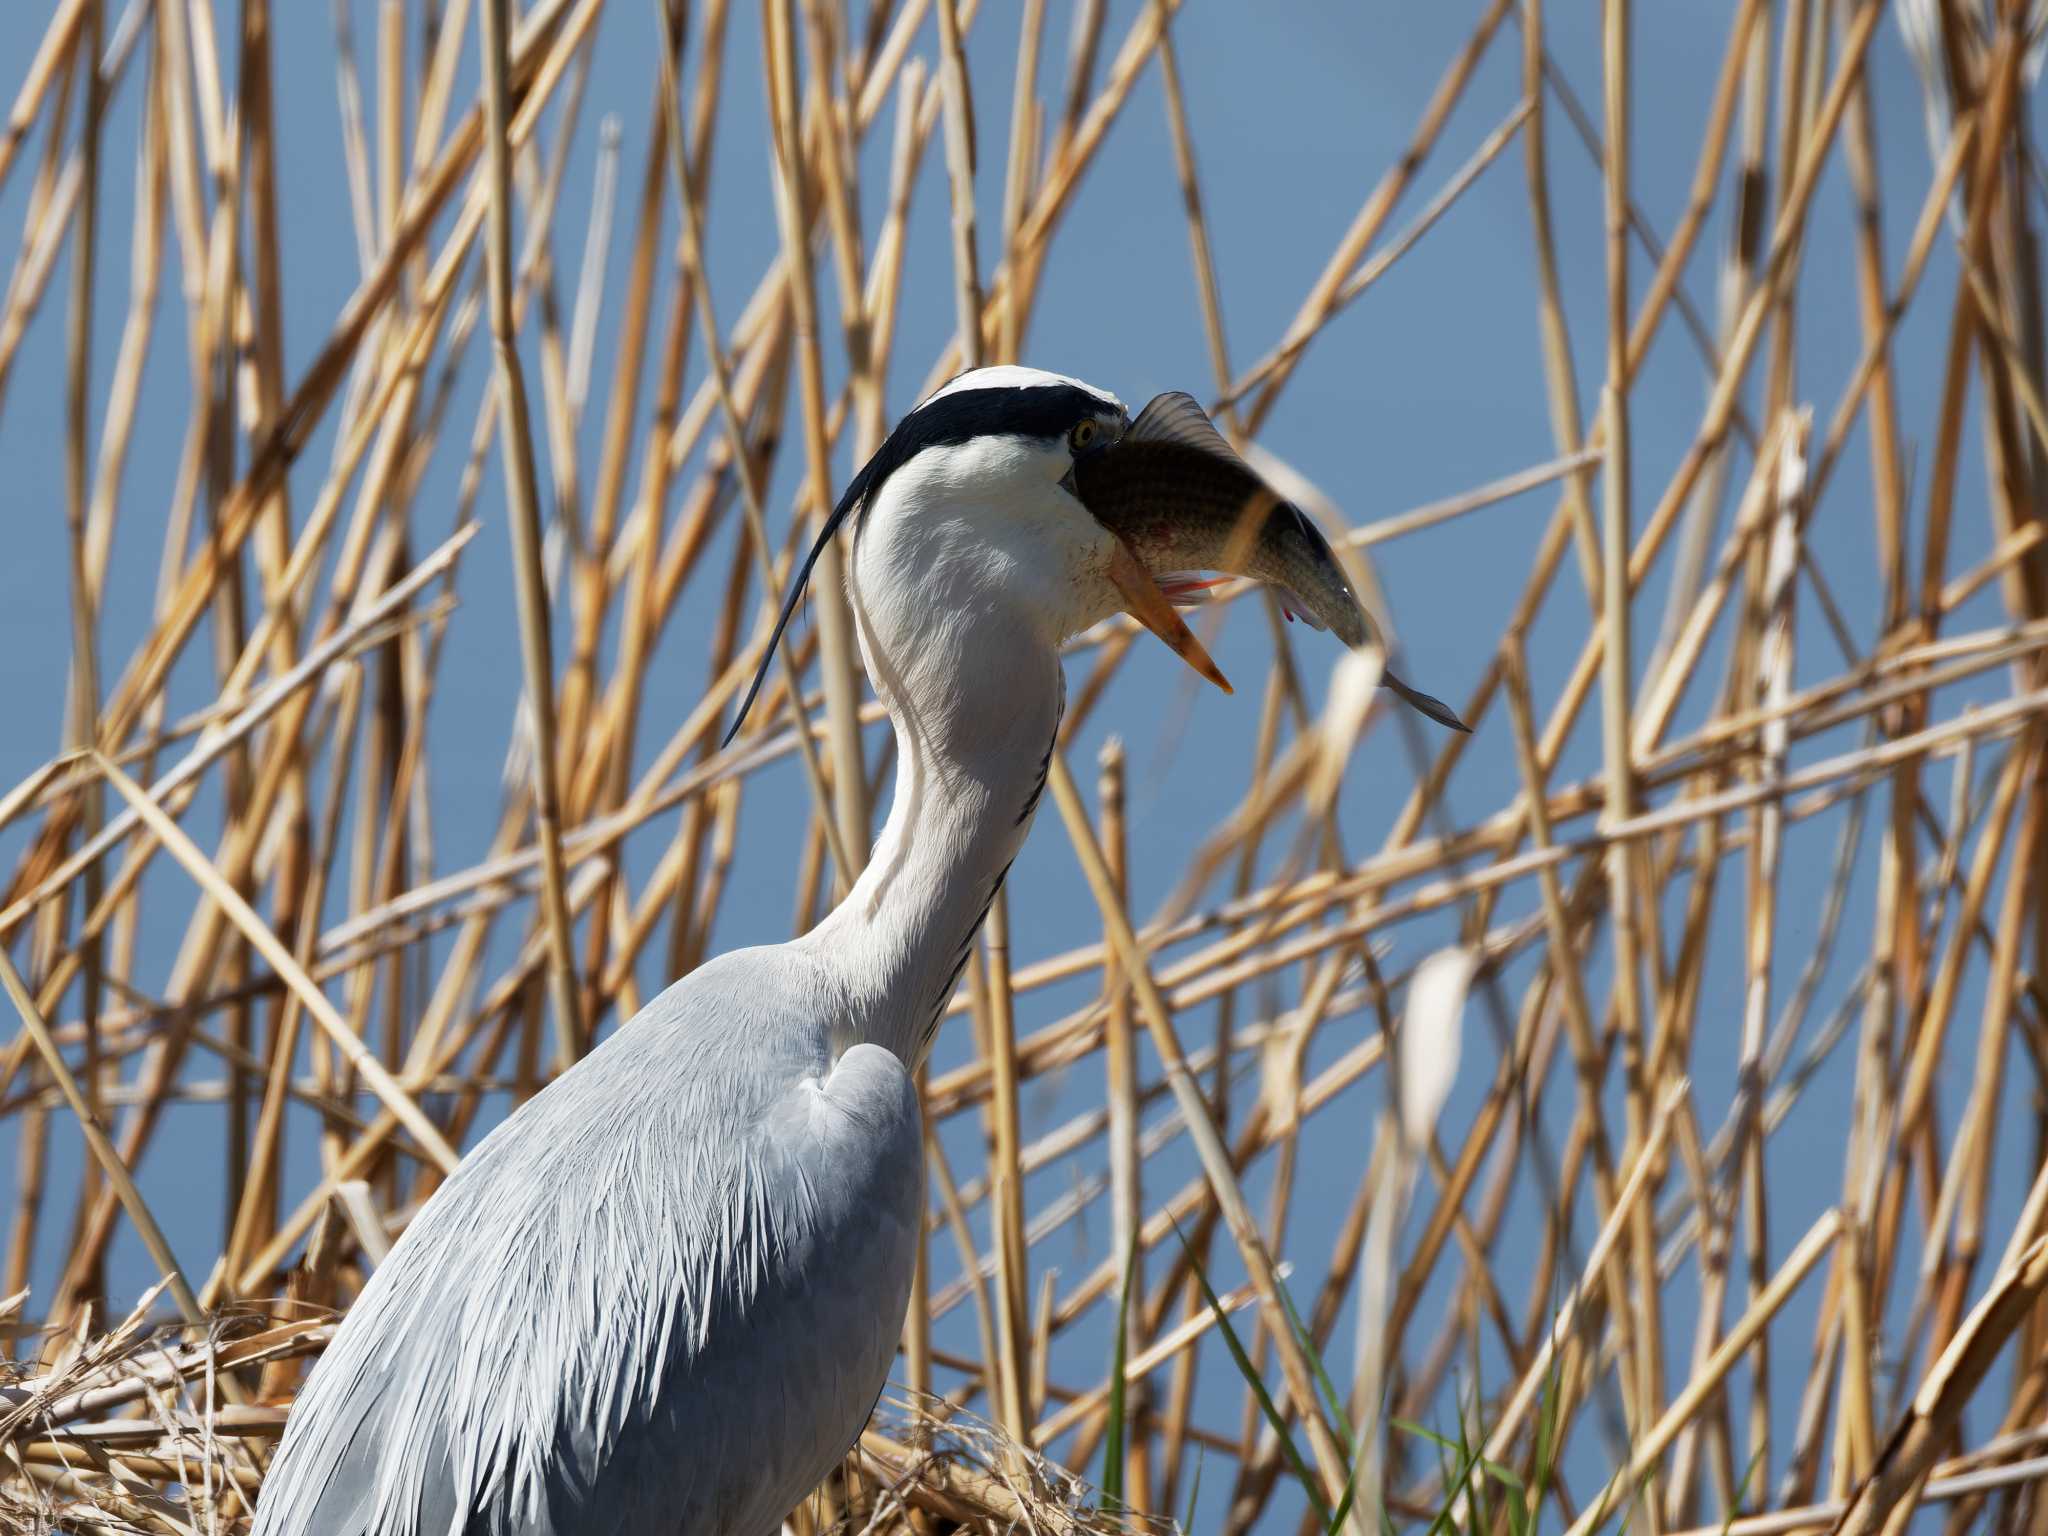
{"type": "Point", "coordinates": [661, 1298]}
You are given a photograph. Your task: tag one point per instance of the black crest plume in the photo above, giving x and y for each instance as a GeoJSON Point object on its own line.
{"type": "Point", "coordinates": [1024, 410]}
{"type": "Point", "coordinates": [855, 493]}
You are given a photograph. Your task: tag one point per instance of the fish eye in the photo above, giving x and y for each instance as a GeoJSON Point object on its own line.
{"type": "Point", "coordinates": [1084, 434]}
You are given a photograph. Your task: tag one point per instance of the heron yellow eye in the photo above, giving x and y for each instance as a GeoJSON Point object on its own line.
{"type": "Point", "coordinates": [1084, 435]}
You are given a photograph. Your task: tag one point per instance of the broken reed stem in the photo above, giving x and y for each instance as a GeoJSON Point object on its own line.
{"type": "Point", "coordinates": [1127, 1203]}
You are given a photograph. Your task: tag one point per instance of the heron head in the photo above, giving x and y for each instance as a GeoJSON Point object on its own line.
{"type": "Point", "coordinates": [973, 505]}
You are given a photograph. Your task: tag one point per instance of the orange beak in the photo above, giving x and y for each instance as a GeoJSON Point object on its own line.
{"type": "Point", "coordinates": [1144, 602]}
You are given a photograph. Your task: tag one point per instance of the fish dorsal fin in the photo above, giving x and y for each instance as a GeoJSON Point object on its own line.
{"type": "Point", "coordinates": [1177, 417]}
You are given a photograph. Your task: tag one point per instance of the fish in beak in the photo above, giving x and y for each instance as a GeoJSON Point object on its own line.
{"type": "Point", "coordinates": [1178, 498]}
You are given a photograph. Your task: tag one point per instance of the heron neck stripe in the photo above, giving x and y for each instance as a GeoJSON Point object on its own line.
{"type": "Point", "coordinates": [1015, 410]}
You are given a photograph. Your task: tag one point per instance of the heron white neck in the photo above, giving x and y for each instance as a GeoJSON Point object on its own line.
{"type": "Point", "coordinates": [972, 749]}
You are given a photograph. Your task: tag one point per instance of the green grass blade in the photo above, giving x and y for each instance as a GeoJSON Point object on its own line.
{"type": "Point", "coordinates": [1245, 1369]}
{"type": "Point", "coordinates": [1344, 1504]}
{"type": "Point", "coordinates": [1546, 1434]}
{"type": "Point", "coordinates": [1113, 1440]}
{"type": "Point", "coordinates": [1315, 1360]}
{"type": "Point", "coordinates": [1463, 1449]}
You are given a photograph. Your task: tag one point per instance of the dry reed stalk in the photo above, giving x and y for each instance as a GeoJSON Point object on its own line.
{"type": "Point", "coordinates": [742, 459]}
{"type": "Point", "coordinates": [1271, 373]}
{"type": "Point", "coordinates": [188, 853]}
{"type": "Point", "coordinates": [524, 511]}
{"type": "Point", "coordinates": [96, 1136]}
{"type": "Point", "coordinates": [836, 643]}
{"type": "Point", "coordinates": [1559, 373]}
{"type": "Point", "coordinates": [1127, 1203]}
{"type": "Point", "coordinates": [1006, 1176]}
{"type": "Point", "coordinates": [1215, 1159]}
{"type": "Point", "coordinates": [960, 177]}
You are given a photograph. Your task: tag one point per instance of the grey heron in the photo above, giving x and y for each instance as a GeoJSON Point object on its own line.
{"type": "Point", "coordinates": [662, 1296]}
